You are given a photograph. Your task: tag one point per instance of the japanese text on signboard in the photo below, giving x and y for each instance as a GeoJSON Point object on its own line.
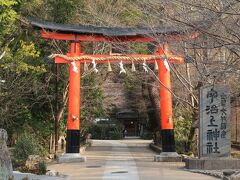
{"type": "Point", "coordinates": [214, 116]}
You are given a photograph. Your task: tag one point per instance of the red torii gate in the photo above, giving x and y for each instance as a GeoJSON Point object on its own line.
{"type": "Point", "coordinates": [78, 34]}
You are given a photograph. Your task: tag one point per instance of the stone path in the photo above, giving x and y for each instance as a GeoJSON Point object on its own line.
{"type": "Point", "coordinates": [128, 159]}
{"type": "Point", "coordinates": [124, 168]}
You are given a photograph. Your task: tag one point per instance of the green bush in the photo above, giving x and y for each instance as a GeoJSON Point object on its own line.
{"type": "Point", "coordinates": [181, 146]}
{"type": "Point", "coordinates": [182, 126]}
{"type": "Point", "coordinates": [105, 131]}
{"type": "Point", "coordinates": [147, 135]}
{"type": "Point", "coordinates": [42, 168]}
{"type": "Point", "coordinates": [96, 132]}
{"type": "Point", "coordinates": [26, 145]}
{"type": "Point", "coordinates": [115, 135]}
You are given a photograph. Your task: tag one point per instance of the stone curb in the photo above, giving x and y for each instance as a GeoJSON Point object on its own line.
{"type": "Point", "coordinates": [212, 163]}
{"type": "Point", "coordinates": [214, 173]}
{"type": "Point", "coordinates": [155, 148]}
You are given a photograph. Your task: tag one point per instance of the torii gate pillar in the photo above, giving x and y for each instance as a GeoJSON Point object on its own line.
{"type": "Point", "coordinates": [73, 125]}
{"type": "Point", "coordinates": [167, 131]}
{"type": "Point", "coordinates": [168, 143]}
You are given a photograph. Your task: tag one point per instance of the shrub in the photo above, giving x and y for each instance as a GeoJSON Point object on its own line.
{"type": "Point", "coordinates": [147, 135]}
{"type": "Point", "coordinates": [105, 131]}
{"type": "Point", "coordinates": [42, 167]}
{"type": "Point", "coordinates": [115, 135]}
{"type": "Point", "coordinates": [95, 131]}
{"type": "Point", "coordinates": [182, 126]}
{"type": "Point", "coordinates": [26, 145]}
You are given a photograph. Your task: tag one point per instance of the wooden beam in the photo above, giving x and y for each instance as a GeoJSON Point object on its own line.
{"type": "Point", "coordinates": [100, 38]}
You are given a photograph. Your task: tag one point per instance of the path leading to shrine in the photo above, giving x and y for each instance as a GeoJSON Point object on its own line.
{"type": "Point", "coordinates": [128, 159]}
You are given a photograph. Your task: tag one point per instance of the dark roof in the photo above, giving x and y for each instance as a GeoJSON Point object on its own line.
{"type": "Point", "coordinates": [128, 115]}
{"type": "Point", "coordinates": [106, 31]}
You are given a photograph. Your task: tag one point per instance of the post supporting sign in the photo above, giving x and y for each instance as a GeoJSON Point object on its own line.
{"type": "Point", "coordinates": [214, 133]}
